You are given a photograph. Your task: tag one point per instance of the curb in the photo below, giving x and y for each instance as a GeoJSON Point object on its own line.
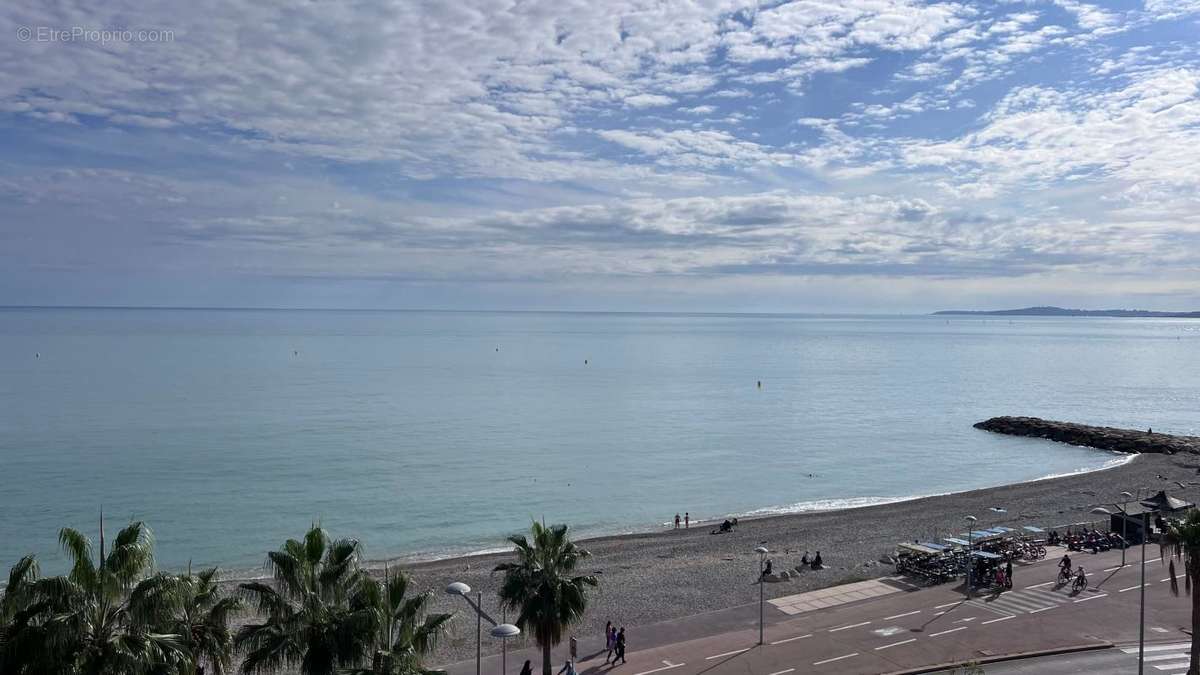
{"type": "Point", "coordinates": [1071, 649]}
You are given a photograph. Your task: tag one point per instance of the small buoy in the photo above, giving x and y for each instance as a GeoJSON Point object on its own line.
{"type": "Point", "coordinates": [295, 353]}
{"type": "Point", "coordinates": [37, 355]}
{"type": "Point", "coordinates": [585, 362]}
{"type": "Point", "coordinates": [760, 384]}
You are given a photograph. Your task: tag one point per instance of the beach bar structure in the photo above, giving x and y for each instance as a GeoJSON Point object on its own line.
{"type": "Point", "coordinates": [1148, 510]}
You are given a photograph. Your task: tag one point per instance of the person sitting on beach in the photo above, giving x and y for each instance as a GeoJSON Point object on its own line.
{"type": "Point", "coordinates": [767, 569]}
{"type": "Point", "coordinates": [734, 523]}
{"type": "Point", "coordinates": [804, 558]}
{"type": "Point", "coordinates": [817, 563]}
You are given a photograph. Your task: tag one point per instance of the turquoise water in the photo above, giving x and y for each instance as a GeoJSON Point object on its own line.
{"type": "Point", "coordinates": [430, 433]}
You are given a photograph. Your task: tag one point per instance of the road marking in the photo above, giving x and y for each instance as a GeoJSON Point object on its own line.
{"type": "Point", "coordinates": [1163, 580]}
{"type": "Point", "coordinates": [1174, 666]}
{"type": "Point", "coordinates": [949, 604]}
{"type": "Point", "coordinates": [1035, 611]}
{"type": "Point", "coordinates": [1130, 588]}
{"type": "Point", "coordinates": [798, 637]}
{"type": "Point", "coordinates": [897, 616]}
{"type": "Point", "coordinates": [659, 670]}
{"type": "Point", "coordinates": [781, 672]}
{"type": "Point", "coordinates": [1154, 560]}
{"type": "Point", "coordinates": [1040, 585]}
{"type": "Point", "coordinates": [1003, 618]}
{"type": "Point", "coordinates": [717, 656]}
{"type": "Point", "coordinates": [1117, 568]}
{"type": "Point", "coordinates": [1102, 595]}
{"type": "Point", "coordinates": [896, 644]}
{"type": "Point", "coordinates": [853, 625]}
{"type": "Point", "coordinates": [969, 618]}
{"type": "Point", "coordinates": [836, 658]}
{"type": "Point", "coordinates": [1158, 648]}
{"type": "Point", "coordinates": [938, 613]}
{"type": "Point", "coordinates": [948, 631]}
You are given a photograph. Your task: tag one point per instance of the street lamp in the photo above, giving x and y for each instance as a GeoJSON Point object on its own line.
{"type": "Point", "coordinates": [504, 631]}
{"type": "Point", "coordinates": [1124, 524]}
{"type": "Point", "coordinates": [970, 561]}
{"type": "Point", "coordinates": [500, 630]}
{"type": "Point", "coordinates": [762, 552]}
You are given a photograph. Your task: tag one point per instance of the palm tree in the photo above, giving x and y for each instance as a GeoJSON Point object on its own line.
{"type": "Point", "coordinates": [1181, 539]}
{"type": "Point", "coordinates": [319, 612]}
{"type": "Point", "coordinates": [406, 634]}
{"type": "Point", "coordinates": [202, 622]}
{"type": "Point", "coordinates": [21, 641]}
{"type": "Point", "coordinates": [104, 615]}
{"type": "Point", "coordinates": [539, 585]}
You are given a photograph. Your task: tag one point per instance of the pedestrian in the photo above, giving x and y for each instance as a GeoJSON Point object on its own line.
{"type": "Point", "coordinates": [610, 641]}
{"type": "Point", "coordinates": [687, 520]}
{"type": "Point", "coordinates": [1008, 582]}
{"type": "Point", "coordinates": [804, 558]}
{"type": "Point", "coordinates": [677, 521]}
{"type": "Point", "coordinates": [620, 647]}
{"type": "Point", "coordinates": [527, 669]}
{"type": "Point", "coordinates": [568, 668]}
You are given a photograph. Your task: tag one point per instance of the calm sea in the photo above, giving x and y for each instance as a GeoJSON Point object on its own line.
{"type": "Point", "coordinates": [430, 433]}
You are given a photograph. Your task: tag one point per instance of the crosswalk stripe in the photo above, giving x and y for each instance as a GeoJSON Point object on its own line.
{"type": "Point", "coordinates": [1173, 666]}
{"type": "Point", "coordinates": [1158, 648]}
{"type": "Point", "coordinates": [1165, 657]}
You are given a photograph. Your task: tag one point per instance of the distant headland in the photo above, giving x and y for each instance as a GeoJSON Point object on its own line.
{"type": "Point", "coordinates": [1059, 311]}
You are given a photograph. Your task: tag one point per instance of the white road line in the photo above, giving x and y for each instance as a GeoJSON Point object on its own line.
{"type": "Point", "coordinates": [659, 670]}
{"type": "Point", "coordinates": [949, 604]}
{"type": "Point", "coordinates": [1003, 618]}
{"type": "Point", "coordinates": [781, 672]}
{"type": "Point", "coordinates": [836, 658]}
{"type": "Point", "coordinates": [853, 625]}
{"type": "Point", "coordinates": [717, 656]}
{"type": "Point", "coordinates": [948, 631]}
{"type": "Point", "coordinates": [1154, 560]}
{"type": "Point", "coordinates": [969, 618]}
{"type": "Point", "coordinates": [897, 616]}
{"type": "Point", "coordinates": [896, 644]}
{"type": "Point", "coordinates": [1117, 568]}
{"type": "Point", "coordinates": [1174, 666]}
{"type": "Point", "coordinates": [1094, 597]}
{"type": "Point", "coordinates": [1163, 580]}
{"type": "Point", "coordinates": [1035, 611]}
{"type": "Point", "coordinates": [1131, 588]}
{"type": "Point", "coordinates": [798, 637]}
{"type": "Point", "coordinates": [1040, 585]}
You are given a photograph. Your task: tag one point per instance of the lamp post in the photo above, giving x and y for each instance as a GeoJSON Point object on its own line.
{"type": "Point", "coordinates": [500, 630]}
{"type": "Point", "coordinates": [1142, 593]}
{"type": "Point", "coordinates": [970, 561]}
{"type": "Point", "coordinates": [1124, 524]}
{"type": "Point", "coordinates": [504, 631]}
{"type": "Point", "coordinates": [762, 552]}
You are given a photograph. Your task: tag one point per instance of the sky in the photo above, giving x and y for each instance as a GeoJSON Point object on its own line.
{"type": "Point", "coordinates": [676, 155]}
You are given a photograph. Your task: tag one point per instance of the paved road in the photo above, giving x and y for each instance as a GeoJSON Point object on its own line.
{"type": "Point", "coordinates": [920, 627]}
{"type": "Point", "coordinates": [1161, 659]}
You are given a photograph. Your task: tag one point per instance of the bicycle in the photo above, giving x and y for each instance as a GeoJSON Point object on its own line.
{"type": "Point", "coordinates": [1080, 582]}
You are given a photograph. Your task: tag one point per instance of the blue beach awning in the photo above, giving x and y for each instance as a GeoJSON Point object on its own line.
{"type": "Point", "coordinates": [985, 555]}
{"type": "Point", "coordinates": [1032, 528]}
{"type": "Point", "coordinates": [959, 542]}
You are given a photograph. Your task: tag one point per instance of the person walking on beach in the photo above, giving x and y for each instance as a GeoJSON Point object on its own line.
{"type": "Point", "coordinates": [610, 641]}
{"type": "Point", "coordinates": [687, 520]}
{"type": "Point", "coordinates": [620, 646]}
{"type": "Point", "coordinates": [677, 521]}
{"type": "Point", "coordinates": [527, 669]}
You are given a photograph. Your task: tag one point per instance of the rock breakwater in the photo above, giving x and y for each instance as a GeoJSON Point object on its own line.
{"type": "Point", "coordinates": [1103, 438]}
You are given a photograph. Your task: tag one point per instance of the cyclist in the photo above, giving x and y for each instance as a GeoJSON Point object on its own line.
{"type": "Point", "coordinates": [1081, 578]}
{"type": "Point", "coordinates": [1065, 563]}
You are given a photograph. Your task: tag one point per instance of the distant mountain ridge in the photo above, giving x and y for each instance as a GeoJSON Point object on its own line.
{"type": "Point", "coordinates": [1059, 311]}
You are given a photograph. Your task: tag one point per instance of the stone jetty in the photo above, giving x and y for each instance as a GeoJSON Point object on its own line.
{"type": "Point", "coordinates": [1104, 438]}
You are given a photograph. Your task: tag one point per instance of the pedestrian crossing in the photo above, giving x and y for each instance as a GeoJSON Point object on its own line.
{"type": "Point", "coordinates": [1028, 601]}
{"type": "Point", "coordinates": [1169, 659]}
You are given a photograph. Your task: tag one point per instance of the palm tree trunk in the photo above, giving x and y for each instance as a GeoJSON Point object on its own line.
{"type": "Point", "coordinates": [547, 669]}
{"type": "Point", "coordinates": [1193, 566]}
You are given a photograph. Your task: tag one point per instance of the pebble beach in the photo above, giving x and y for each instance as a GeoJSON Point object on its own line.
{"type": "Point", "coordinates": [652, 577]}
